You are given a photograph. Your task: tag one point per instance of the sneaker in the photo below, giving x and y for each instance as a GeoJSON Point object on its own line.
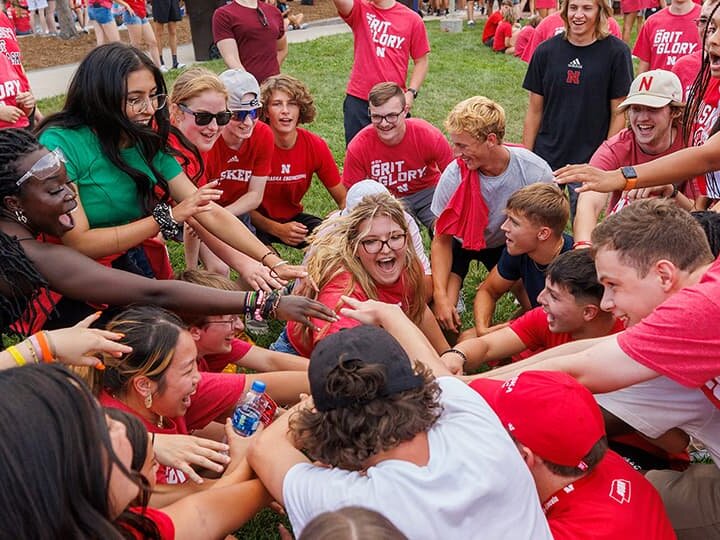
{"type": "Point", "coordinates": [303, 26]}
{"type": "Point", "coordinates": [179, 65]}
{"type": "Point", "coordinates": [471, 23]}
{"type": "Point", "coordinates": [164, 68]}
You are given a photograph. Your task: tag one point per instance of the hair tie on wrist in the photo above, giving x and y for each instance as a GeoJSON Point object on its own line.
{"type": "Point", "coordinates": [458, 352]}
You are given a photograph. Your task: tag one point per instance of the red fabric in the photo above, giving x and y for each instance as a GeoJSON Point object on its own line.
{"type": "Point", "coordinates": [384, 40]}
{"type": "Point", "coordinates": [546, 4]}
{"type": "Point", "coordinates": [9, 45]}
{"type": "Point", "coordinates": [532, 329]}
{"type": "Point", "coordinates": [666, 37]}
{"type": "Point", "coordinates": [234, 168]}
{"type": "Point", "coordinates": [216, 362]}
{"type": "Point", "coordinates": [551, 26]}
{"type": "Point", "coordinates": [139, 7]}
{"type": "Point", "coordinates": [504, 30]}
{"type": "Point", "coordinates": [613, 501]}
{"type": "Point", "coordinates": [621, 150]}
{"type": "Point", "coordinates": [12, 83]}
{"type": "Point", "coordinates": [217, 394]}
{"type": "Point", "coordinates": [704, 122]}
{"type": "Point", "coordinates": [631, 6]}
{"type": "Point", "coordinates": [20, 17]}
{"type": "Point", "coordinates": [466, 214]}
{"type": "Point", "coordinates": [687, 68]}
{"type": "Point", "coordinates": [330, 294]}
{"type": "Point", "coordinates": [291, 175]}
{"type": "Point", "coordinates": [491, 25]}
{"type": "Point", "coordinates": [689, 354]}
{"type": "Point", "coordinates": [414, 164]}
{"type": "Point", "coordinates": [162, 521]}
{"type": "Point", "coordinates": [188, 161]}
{"type": "Point", "coordinates": [522, 43]}
{"type": "Point", "coordinates": [256, 43]}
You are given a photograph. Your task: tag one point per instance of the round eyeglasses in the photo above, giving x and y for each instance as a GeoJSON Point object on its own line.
{"type": "Point", "coordinates": [140, 104]}
{"type": "Point", "coordinates": [375, 245]}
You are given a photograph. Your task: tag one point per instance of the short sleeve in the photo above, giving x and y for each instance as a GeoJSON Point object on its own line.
{"type": "Point", "coordinates": [446, 187]}
{"type": "Point", "coordinates": [217, 394]}
{"type": "Point", "coordinates": [534, 75]}
{"type": "Point", "coordinates": [603, 158]}
{"type": "Point", "coordinates": [621, 70]}
{"type": "Point", "coordinates": [353, 170]}
{"type": "Point", "coordinates": [420, 45]}
{"type": "Point", "coordinates": [642, 45]}
{"type": "Point", "coordinates": [58, 138]}
{"type": "Point", "coordinates": [509, 266]}
{"type": "Point", "coordinates": [167, 165]}
{"type": "Point", "coordinates": [326, 168]}
{"type": "Point", "coordinates": [528, 328]}
{"type": "Point", "coordinates": [222, 25]}
{"type": "Point", "coordinates": [265, 146]}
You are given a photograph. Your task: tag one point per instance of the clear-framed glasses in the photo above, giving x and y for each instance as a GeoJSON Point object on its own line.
{"type": "Point", "coordinates": [390, 118]}
{"type": "Point", "coordinates": [140, 104]}
{"type": "Point", "coordinates": [375, 245]}
{"type": "Point", "coordinates": [241, 115]}
{"type": "Point", "coordinates": [45, 167]}
{"type": "Point", "coordinates": [231, 321]}
{"type": "Point", "coordinates": [203, 118]}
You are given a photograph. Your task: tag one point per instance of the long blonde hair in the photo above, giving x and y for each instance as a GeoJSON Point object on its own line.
{"type": "Point", "coordinates": [334, 247]}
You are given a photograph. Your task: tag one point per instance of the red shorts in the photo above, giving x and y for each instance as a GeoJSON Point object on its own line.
{"type": "Point", "coordinates": [631, 6]}
{"type": "Point", "coordinates": [545, 4]}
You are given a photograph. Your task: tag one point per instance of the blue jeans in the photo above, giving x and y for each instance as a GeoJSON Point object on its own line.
{"type": "Point", "coordinates": [282, 344]}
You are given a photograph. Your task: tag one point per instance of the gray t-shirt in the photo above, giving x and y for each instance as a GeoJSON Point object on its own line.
{"type": "Point", "coordinates": [525, 168]}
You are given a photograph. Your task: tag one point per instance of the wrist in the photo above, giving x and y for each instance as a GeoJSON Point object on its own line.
{"type": "Point", "coordinates": [458, 352]}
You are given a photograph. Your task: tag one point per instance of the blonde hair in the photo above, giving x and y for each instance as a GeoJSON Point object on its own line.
{"type": "Point", "coordinates": [479, 117]}
{"type": "Point", "coordinates": [294, 88]}
{"type": "Point", "coordinates": [544, 205]}
{"type": "Point", "coordinates": [334, 247]}
{"type": "Point", "coordinates": [195, 81]}
{"type": "Point", "coordinates": [206, 279]}
{"type": "Point", "coordinates": [601, 25]}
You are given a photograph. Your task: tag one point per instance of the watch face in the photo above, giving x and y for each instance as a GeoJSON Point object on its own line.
{"type": "Point", "coordinates": [628, 172]}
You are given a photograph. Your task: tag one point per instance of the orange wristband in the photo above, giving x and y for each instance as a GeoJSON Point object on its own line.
{"type": "Point", "coordinates": [47, 355]}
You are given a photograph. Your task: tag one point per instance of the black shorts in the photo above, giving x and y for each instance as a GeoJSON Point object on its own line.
{"type": "Point", "coordinates": [165, 11]}
{"type": "Point", "coordinates": [308, 220]}
{"type": "Point", "coordinates": [463, 257]}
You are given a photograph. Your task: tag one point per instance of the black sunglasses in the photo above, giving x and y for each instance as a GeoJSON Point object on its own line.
{"type": "Point", "coordinates": [204, 118]}
{"type": "Point", "coordinates": [261, 16]}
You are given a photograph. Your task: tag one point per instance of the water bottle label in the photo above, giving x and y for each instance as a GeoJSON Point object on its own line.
{"type": "Point", "coordinates": [245, 422]}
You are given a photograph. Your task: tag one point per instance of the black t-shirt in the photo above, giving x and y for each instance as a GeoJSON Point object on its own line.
{"type": "Point", "coordinates": [514, 267]}
{"type": "Point", "coordinates": [577, 84]}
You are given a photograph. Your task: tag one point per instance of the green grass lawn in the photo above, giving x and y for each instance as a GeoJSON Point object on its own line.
{"type": "Point", "coordinates": [460, 67]}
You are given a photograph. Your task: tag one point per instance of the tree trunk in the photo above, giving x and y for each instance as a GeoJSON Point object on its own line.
{"type": "Point", "coordinates": [66, 20]}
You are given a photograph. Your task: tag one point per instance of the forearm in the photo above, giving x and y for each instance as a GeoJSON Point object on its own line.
{"type": "Point", "coordinates": [441, 264]}
{"type": "Point", "coordinates": [531, 127]}
{"type": "Point", "coordinates": [101, 242]}
{"type": "Point", "coordinates": [264, 223]}
{"type": "Point", "coordinates": [230, 54]}
{"type": "Point", "coordinates": [483, 310]}
{"type": "Point", "coordinates": [432, 332]}
{"type": "Point", "coordinates": [419, 72]}
{"type": "Point", "coordinates": [589, 207]}
{"type": "Point", "coordinates": [282, 53]}
{"type": "Point", "coordinates": [250, 201]}
{"type": "Point", "coordinates": [617, 122]}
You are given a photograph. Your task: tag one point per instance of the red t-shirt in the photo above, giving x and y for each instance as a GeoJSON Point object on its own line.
{"type": "Point", "coordinates": [189, 163]}
{"type": "Point", "coordinates": [687, 68]}
{"type": "Point", "coordinates": [704, 122]}
{"type": "Point", "coordinates": [9, 45]}
{"type": "Point", "coordinates": [621, 150]}
{"type": "Point", "coordinates": [256, 42]}
{"type": "Point", "coordinates": [139, 7]}
{"type": "Point", "coordinates": [384, 42]}
{"type": "Point", "coordinates": [491, 25]}
{"type": "Point", "coordinates": [613, 501]}
{"type": "Point", "coordinates": [523, 41]}
{"type": "Point", "coordinates": [216, 362]}
{"type": "Point", "coordinates": [533, 330]}
{"type": "Point", "coordinates": [162, 521]}
{"type": "Point", "coordinates": [20, 17]}
{"type": "Point", "coordinates": [504, 30]}
{"type": "Point", "coordinates": [553, 25]}
{"type": "Point", "coordinates": [291, 174]}
{"type": "Point", "coordinates": [217, 394]}
{"type": "Point", "coordinates": [330, 294]}
{"type": "Point", "coordinates": [665, 37]}
{"type": "Point", "coordinates": [235, 167]}
{"type": "Point", "coordinates": [13, 83]}
{"type": "Point", "coordinates": [412, 165]}
{"type": "Point", "coordinates": [680, 338]}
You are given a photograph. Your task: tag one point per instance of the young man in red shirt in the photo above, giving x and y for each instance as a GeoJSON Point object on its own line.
{"type": "Point", "coordinates": [493, 21]}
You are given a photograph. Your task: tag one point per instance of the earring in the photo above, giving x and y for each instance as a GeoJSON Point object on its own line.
{"type": "Point", "coordinates": [20, 216]}
{"type": "Point", "coordinates": [148, 401]}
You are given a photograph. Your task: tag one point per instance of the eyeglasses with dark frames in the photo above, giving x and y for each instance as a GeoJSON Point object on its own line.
{"type": "Point", "coordinates": [375, 245]}
{"type": "Point", "coordinates": [390, 118]}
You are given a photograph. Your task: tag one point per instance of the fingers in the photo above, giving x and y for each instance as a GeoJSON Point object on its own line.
{"type": "Point", "coordinates": [191, 474]}
{"type": "Point", "coordinates": [291, 271]}
{"type": "Point", "coordinates": [87, 321]}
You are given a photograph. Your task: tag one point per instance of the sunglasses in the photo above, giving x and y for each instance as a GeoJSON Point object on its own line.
{"type": "Point", "coordinates": [204, 118]}
{"type": "Point", "coordinates": [45, 167]}
{"type": "Point", "coordinates": [240, 116]}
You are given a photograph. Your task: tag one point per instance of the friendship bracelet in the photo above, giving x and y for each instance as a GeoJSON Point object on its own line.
{"type": "Point", "coordinates": [458, 352]}
{"type": "Point", "coordinates": [47, 356]}
{"type": "Point", "coordinates": [17, 355]}
{"type": "Point", "coordinates": [262, 261]}
{"type": "Point", "coordinates": [33, 353]}
{"type": "Point", "coordinates": [35, 346]}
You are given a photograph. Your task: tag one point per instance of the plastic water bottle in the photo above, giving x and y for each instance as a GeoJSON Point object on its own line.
{"type": "Point", "coordinates": [246, 418]}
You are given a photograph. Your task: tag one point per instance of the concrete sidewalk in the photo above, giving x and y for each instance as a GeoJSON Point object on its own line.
{"type": "Point", "coordinates": [53, 81]}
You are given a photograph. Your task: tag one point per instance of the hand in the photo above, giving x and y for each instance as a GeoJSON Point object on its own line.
{"type": "Point", "coordinates": [409, 101]}
{"type": "Point", "coordinates": [648, 192]}
{"type": "Point", "coordinates": [592, 178]}
{"type": "Point", "coordinates": [257, 276]}
{"type": "Point", "coordinates": [446, 315]}
{"type": "Point", "coordinates": [291, 233]}
{"type": "Point", "coordinates": [78, 345]}
{"type": "Point", "coordinates": [198, 202]}
{"type": "Point", "coordinates": [10, 114]}
{"type": "Point", "coordinates": [302, 309]}
{"type": "Point", "coordinates": [183, 451]}
{"type": "Point", "coordinates": [489, 330]}
{"type": "Point", "coordinates": [238, 445]}
{"type": "Point", "coordinates": [290, 271]}
{"type": "Point", "coordinates": [454, 362]}
{"type": "Point", "coordinates": [26, 101]}
{"type": "Point", "coordinates": [369, 311]}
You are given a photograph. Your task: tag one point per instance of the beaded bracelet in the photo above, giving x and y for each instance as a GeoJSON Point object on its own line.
{"type": "Point", "coordinates": [47, 355]}
{"type": "Point", "coordinates": [31, 348]}
{"type": "Point", "coordinates": [162, 214]}
{"type": "Point", "coordinates": [259, 306]}
{"type": "Point", "coordinates": [458, 352]}
{"type": "Point", "coordinates": [251, 302]}
{"type": "Point", "coordinates": [17, 355]}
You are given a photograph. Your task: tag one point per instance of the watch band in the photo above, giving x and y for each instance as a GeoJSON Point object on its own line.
{"type": "Point", "coordinates": [630, 183]}
{"type": "Point", "coordinates": [413, 92]}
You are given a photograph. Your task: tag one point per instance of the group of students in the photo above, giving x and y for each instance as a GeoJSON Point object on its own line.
{"type": "Point", "coordinates": [390, 418]}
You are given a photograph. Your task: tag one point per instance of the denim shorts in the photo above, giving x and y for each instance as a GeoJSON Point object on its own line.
{"type": "Point", "coordinates": [282, 344]}
{"type": "Point", "coordinates": [133, 19]}
{"type": "Point", "coordinates": [101, 15]}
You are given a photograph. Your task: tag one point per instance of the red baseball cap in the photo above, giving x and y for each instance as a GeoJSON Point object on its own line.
{"type": "Point", "coordinates": [549, 412]}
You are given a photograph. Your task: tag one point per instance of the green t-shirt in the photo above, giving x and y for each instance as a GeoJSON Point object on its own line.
{"type": "Point", "coordinates": [108, 195]}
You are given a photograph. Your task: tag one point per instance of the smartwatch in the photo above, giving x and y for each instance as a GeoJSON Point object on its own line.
{"type": "Point", "coordinates": [630, 177]}
{"type": "Point", "coordinates": [413, 92]}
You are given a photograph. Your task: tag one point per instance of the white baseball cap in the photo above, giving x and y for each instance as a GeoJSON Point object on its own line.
{"type": "Point", "coordinates": [359, 191]}
{"type": "Point", "coordinates": [655, 88]}
{"type": "Point", "coordinates": [238, 83]}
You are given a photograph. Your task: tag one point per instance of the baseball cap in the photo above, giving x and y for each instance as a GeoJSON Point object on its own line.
{"type": "Point", "coordinates": [655, 88]}
{"type": "Point", "coordinates": [549, 412]}
{"type": "Point", "coordinates": [370, 345]}
{"type": "Point", "coordinates": [238, 83]}
{"type": "Point", "coordinates": [357, 192]}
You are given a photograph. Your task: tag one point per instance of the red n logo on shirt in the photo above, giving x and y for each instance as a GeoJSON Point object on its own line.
{"type": "Point", "coordinates": [573, 77]}
{"type": "Point", "coordinates": [645, 84]}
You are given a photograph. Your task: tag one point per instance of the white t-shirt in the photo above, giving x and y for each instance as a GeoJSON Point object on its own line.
{"type": "Point", "coordinates": [525, 168]}
{"type": "Point", "coordinates": [475, 484]}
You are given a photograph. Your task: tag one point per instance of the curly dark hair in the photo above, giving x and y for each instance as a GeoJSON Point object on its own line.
{"type": "Point", "coordinates": [347, 437]}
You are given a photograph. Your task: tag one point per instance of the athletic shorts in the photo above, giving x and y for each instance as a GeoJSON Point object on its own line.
{"type": "Point", "coordinates": [165, 11]}
{"type": "Point", "coordinates": [100, 15]}
{"type": "Point", "coordinates": [34, 5]}
{"type": "Point", "coordinates": [463, 257]}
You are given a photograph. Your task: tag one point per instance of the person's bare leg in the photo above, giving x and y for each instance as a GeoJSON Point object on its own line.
{"type": "Point", "coordinates": [111, 32]}
{"type": "Point", "coordinates": [159, 37]}
{"type": "Point", "coordinates": [628, 21]}
{"type": "Point", "coordinates": [99, 33]}
{"type": "Point", "coordinates": [50, 16]}
{"type": "Point", "coordinates": [43, 21]}
{"type": "Point", "coordinates": [151, 43]}
{"type": "Point", "coordinates": [172, 41]}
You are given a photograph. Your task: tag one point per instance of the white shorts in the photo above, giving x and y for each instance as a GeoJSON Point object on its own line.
{"type": "Point", "coordinates": [655, 406]}
{"type": "Point", "coordinates": [34, 5]}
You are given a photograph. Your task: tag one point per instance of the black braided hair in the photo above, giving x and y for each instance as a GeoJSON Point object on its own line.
{"type": "Point", "coordinates": [20, 281]}
{"type": "Point", "coordinates": [710, 223]}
